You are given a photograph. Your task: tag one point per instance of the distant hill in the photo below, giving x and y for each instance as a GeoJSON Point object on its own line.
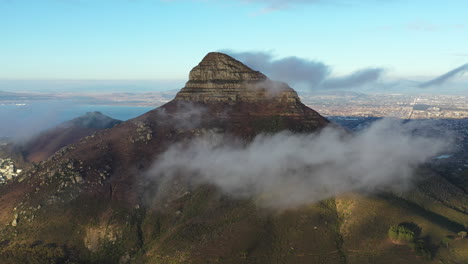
{"type": "Point", "coordinates": [48, 142]}
{"type": "Point", "coordinates": [9, 96]}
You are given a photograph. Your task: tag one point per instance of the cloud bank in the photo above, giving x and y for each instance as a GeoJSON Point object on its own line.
{"type": "Point", "coordinates": [445, 77]}
{"type": "Point", "coordinates": [313, 74]}
{"type": "Point", "coordinates": [287, 170]}
{"type": "Point", "coordinates": [355, 79]}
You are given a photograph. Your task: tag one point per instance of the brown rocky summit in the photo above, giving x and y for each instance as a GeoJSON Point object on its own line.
{"type": "Point", "coordinates": [217, 66]}
{"type": "Point", "coordinates": [221, 78]}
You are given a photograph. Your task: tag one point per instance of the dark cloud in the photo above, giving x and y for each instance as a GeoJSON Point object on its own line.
{"type": "Point", "coordinates": [290, 69]}
{"type": "Point", "coordinates": [295, 70]}
{"type": "Point", "coordinates": [445, 77]}
{"type": "Point", "coordinates": [355, 79]}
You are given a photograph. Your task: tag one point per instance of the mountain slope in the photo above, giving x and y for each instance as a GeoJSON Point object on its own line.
{"type": "Point", "coordinates": [94, 203]}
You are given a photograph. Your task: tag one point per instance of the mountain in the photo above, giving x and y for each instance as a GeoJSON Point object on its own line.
{"type": "Point", "coordinates": [91, 202]}
{"type": "Point", "coordinates": [47, 143]}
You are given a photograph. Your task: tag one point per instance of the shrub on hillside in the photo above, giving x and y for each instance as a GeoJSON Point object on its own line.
{"type": "Point", "coordinates": [401, 234]}
{"type": "Point", "coordinates": [408, 234]}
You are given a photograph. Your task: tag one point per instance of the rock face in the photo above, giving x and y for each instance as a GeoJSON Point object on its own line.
{"type": "Point", "coordinates": [220, 67]}
{"type": "Point", "coordinates": [221, 78]}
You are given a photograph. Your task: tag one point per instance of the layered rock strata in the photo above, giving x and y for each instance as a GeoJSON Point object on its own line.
{"type": "Point", "coordinates": [221, 78]}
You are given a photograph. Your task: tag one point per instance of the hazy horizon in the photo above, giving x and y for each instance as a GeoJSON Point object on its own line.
{"type": "Point", "coordinates": [459, 86]}
{"type": "Point", "coordinates": [163, 40]}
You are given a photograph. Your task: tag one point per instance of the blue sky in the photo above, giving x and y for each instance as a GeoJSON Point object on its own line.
{"type": "Point", "coordinates": [163, 39]}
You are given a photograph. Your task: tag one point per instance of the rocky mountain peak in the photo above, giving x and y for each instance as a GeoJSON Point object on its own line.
{"type": "Point", "coordinates": [217, 66]}
{"type": "Point", "coordinates": [221, 78]}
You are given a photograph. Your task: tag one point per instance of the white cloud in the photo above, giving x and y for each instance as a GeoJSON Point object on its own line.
{"type": "Point", "coordinates": [288, 170]}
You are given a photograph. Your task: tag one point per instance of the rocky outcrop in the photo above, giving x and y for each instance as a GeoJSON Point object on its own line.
{"type": "Point", "coordinates": [8, 170]}
{"type": "Point", "coordinates": [96, 236]}
{"type": "Point", "coordinates": [221, 78]}
{"type": "Point", "coordinates": [219, 67]}
{"type": "Point", "coordinates": [228, 90]}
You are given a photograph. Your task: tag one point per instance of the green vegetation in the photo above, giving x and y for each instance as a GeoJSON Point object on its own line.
{"type": "Point", "coordinates": [408, 233]}
{"type": "Point", "coordinates": [401, 234]}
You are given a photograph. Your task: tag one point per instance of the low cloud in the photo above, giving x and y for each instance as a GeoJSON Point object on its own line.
{"type": "Point", "coordinates": [188, 115]}
{"type": "Point", "coordinates": [445, 77]}
{"type": "Point", "coordinates": [313, 74]}
{"type": "Point", "coordinates": [287, 170]}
